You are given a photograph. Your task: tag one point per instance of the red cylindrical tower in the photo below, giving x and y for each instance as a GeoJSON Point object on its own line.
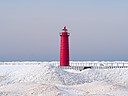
{"type": "Point", "coordinates": [64, 48]}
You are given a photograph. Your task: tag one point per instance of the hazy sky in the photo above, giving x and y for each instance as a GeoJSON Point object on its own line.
{"type": "Point", "coordinates": [29, 29]}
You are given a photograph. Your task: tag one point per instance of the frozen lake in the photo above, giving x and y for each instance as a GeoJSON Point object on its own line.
{"type": "Point", "coordinates": [43, 79]}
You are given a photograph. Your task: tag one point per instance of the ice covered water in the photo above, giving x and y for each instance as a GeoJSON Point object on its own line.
{"type": "Point", "coordinates": [47, 80]}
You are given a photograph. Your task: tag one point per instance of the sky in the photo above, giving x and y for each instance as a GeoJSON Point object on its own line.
{"type": "Point", "coordinates": [29, 29]}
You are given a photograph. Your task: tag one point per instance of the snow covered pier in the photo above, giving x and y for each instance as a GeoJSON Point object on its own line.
{"type": "Point", "coordinates": [80, 68]}
{"type": "Point", "coordinates": [82, 65]}
{"type": "Point", "coordinates": [77, 65]}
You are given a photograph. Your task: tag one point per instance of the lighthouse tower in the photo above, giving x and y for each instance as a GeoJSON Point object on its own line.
{"type": "Point", "coordinates": [64, 47]}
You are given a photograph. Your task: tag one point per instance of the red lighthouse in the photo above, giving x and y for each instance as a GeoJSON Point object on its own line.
{"type": "Point", "coordinates": [64, 48]}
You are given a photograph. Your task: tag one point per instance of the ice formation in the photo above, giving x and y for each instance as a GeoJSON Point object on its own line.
{"type": "Point", "coordinates": [47, 80]}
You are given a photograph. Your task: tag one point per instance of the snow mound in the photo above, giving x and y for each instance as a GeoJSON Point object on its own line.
{"type": "Point", "coordinates": [114, 76]}
{"type": "Point", "coordinates": [48, 74]}
{"type": "Point", "coordinates": [29, 89]}
{"type": "Point", "coordinates": [101, 88]}
{"type": "Point", "coordinates": [45, 74]}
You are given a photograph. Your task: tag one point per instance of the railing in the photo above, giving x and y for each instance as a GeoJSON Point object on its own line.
{"type": "Point", "coordinates": [77, 65]}
{"type": "Point", "coordinates": [93, 63]}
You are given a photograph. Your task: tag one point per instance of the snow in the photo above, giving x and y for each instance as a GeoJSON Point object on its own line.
{"type": "Point", "coordinates": [46, 80]}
